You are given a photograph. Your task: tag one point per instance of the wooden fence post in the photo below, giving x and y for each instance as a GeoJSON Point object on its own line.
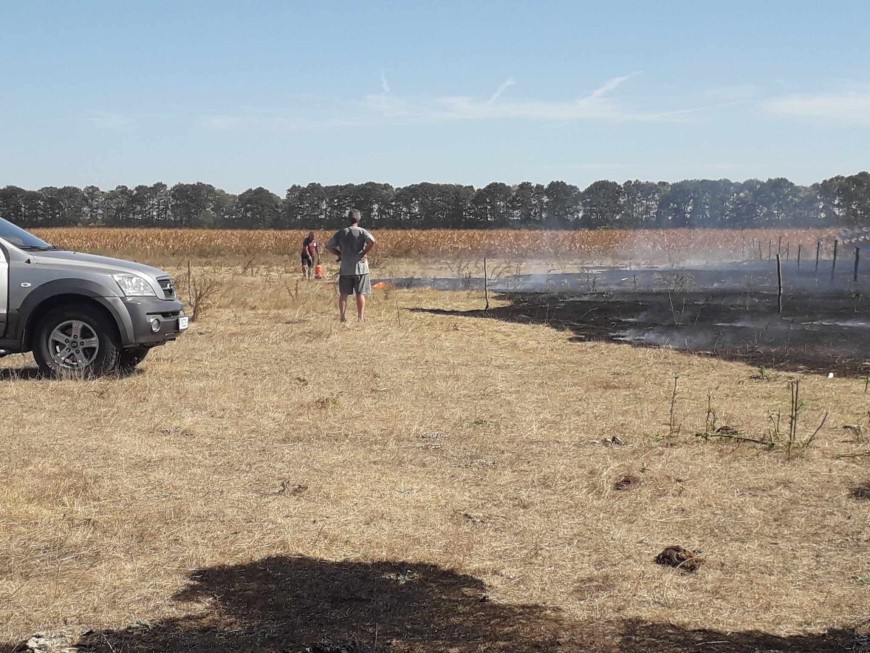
{"type": "Point", "coordinates": [485, 285]}
{"type": "Point", "coordinates": [778, 285]}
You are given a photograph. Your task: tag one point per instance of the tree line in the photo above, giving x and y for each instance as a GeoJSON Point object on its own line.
{"type": "Point", "coordinates": [839, 201]}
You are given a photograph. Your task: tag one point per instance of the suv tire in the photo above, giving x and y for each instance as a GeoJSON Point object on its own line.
{"type": "Point", "coordinates": [76, 340]}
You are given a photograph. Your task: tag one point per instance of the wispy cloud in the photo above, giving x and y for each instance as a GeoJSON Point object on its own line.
{"type": "Point", "coordinates": [847, 107]}
{"type": "Point", "coordinates": [611, 85]}
{"type": "Point", "coordinates": [110, 121]}
{"type": "Point", "coordinates": [734, 92]}
{"type": "Point", "coordinates": [501, 89]}
{"type": "Point", "coordinates": [598, 105]}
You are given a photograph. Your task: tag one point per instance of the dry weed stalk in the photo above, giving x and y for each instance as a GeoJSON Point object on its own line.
{"type": "Point", "coordinates": [796, 407]}
{"type": "Point", "coordinates": [793, 441]}
{"type": "Point", "coordinates": [725, 432]}
{"type": "Point", "coordinates": [860, 454]}
{"type": "Point", "coordinates": [674, 428]}
{"type": "Point", "coordinates": [202, 292]}
{"type": "Point", "coordinates": [461, 270]}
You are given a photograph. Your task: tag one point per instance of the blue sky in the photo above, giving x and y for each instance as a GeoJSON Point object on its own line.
{"type": "Point", "coordinates": [243, 94]}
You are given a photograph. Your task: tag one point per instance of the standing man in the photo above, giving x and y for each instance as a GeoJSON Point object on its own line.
{"type": "Point", "coordinates": [351, 245]}
{"type": "Point", "coordinates": [310, 255]}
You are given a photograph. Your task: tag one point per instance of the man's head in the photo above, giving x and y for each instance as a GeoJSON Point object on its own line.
{"type": "Point", "coordinates": [353, 215]}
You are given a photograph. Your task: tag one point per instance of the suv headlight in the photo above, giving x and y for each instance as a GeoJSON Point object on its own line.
{"type": "Point", "coordinates": [133, 285]}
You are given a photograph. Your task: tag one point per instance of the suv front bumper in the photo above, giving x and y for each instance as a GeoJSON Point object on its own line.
{"type": "Point", "coordinates": [141, 315]}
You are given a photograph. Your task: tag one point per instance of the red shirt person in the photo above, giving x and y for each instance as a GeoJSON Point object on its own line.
{"type": "Point", "coordinates": [310, 254]}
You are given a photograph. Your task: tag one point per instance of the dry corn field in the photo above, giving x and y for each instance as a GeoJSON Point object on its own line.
{"type": "Point", "coordinates": [596, 246]}
{"type": "Point", "coordinates": [426, 480]}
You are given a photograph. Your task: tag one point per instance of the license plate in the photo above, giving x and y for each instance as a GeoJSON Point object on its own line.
{"type": "Point", "coordinates": [182, 323]}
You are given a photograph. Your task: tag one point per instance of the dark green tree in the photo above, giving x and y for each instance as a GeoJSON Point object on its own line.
{"type": "Point", "coordinates": [561, 205]}
{"type": "Point", "coordinates": [256, 208]}
{"type": "Point", "coordinates": [601, 204]}
{"type": "Point", "coordinates": [640, 201]}
{"type": "Point", "coordinates": [490, 206]}
{"type": "Point", "coordinates": [527, 205]}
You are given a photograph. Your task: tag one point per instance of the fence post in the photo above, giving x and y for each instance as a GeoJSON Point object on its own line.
{"type": "Point", "coordinates": [485, 285]}
{"type": "Point", "coordinates": [778, 285]}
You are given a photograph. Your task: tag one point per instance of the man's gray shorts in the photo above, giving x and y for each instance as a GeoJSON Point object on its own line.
{"type": "Point", "coordinates": [354, 284]}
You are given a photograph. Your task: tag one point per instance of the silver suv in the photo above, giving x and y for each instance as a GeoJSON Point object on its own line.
{"type": "Point", "coordinates": [80, 313]}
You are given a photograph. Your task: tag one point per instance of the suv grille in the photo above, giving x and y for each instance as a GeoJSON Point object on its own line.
{"type": "Point", "coordinates": [167, 286]}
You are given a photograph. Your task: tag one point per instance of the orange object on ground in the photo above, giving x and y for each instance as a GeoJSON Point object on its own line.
{"type": "Point", "coordinates": [318, 271]}
{"type": "Point", "coordinates": [380, 285]}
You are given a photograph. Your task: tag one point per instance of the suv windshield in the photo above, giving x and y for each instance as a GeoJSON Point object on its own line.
{"type": "Point", "coordinates": [20, 238]}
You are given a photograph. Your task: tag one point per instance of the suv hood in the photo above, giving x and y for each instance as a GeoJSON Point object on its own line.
{"type": "Point", "coordinates": [94, 262]}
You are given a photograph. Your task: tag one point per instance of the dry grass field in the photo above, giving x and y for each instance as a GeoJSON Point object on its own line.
{"type": "Point", "coordinates": [275, 481]}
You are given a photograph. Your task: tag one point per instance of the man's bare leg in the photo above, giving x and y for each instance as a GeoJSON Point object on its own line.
{"type": "Point", "coordinates": [361, 308]}
{"type": "Point", "coordinates": [342, 307]}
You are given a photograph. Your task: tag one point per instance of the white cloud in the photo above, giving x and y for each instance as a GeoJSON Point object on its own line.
{"type": "Point", "coordinates": [599, 105]}
{"type": "Point", "coordinates": [849, 107]}
{"type": "Point", "coordinates": [611, 85]}
{"type": "Point", "coordinates": [501, 89]}
{"type": "Point", "coordinates": [595, 106]}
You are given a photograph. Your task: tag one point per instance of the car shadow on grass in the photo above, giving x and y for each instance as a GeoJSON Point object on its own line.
{"type": "Point", "coordinates": [35, 374]}
{"type": "Point", "coordinates": [816, 334]}
{"type": "Point", "coordinates": [20, 374]}
{"type": "Point", "coordinates": [296, 604]}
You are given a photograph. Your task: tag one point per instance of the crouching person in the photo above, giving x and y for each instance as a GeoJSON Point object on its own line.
{"type": "Point", "coordinates": [351, 245]}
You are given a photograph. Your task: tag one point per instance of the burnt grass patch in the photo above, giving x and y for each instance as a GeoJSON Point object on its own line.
{"type": "Point", "coordinates": [861, 491]}
{"type": "Point", "coordinates": [627, 482]}
{"type": "Point", "coordinates": [729, 313]}
{"type": "Point", "coordinates": [298, 604]}
{"type": "Point", "coordinates": [680, 558]}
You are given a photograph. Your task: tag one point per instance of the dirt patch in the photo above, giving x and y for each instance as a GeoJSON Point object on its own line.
{"type": "Point", "coordinates": [680, 558]}
{"type": "Point", "coordinates": [861, 491]}
{"type": "Point", "coordinates": [627, 482]}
